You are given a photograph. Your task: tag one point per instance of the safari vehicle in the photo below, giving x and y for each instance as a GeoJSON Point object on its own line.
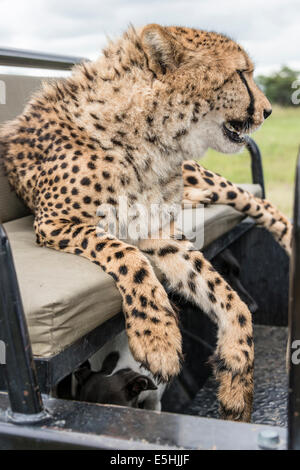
{"type": "Point", "coordinates": [57, 310]}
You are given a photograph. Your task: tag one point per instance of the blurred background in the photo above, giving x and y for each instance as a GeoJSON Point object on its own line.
{"type": "Point", "coordinates": [269, 31]}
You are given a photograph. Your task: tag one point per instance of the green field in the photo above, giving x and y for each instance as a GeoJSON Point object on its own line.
{"type": "Point", "coordinates": [279, 141]}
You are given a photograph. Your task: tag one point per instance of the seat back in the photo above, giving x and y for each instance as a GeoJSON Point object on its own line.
{"type": "Point", "coordinates": [15, 90]}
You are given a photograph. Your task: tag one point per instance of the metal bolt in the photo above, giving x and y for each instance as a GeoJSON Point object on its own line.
{"type": "Point", "coordinates": [268, 439]}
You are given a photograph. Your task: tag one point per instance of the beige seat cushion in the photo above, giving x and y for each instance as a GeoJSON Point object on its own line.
{"type": "Point", "coordinates": [66, 296]}
{"type": "Point", "coordinates": [15, 92]}
{"type": "Point", "coordinates": [11, 207]}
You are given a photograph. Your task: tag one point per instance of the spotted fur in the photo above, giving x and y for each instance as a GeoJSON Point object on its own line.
{"type": "Point", "coordinates": [204, 186]}
{"type": "Point", "coordinates": [122, 126]}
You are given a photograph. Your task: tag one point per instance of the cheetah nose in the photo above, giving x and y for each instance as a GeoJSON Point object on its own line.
{"type": "Point", "coordinates": [267, 113]}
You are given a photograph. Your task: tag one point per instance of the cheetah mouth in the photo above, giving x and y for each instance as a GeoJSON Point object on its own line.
{"type": "Point", "coordinates": [234, 132]}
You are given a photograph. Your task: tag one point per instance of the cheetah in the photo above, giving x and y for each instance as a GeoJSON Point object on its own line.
{"type": "Point", "coordinates": [121, 127]}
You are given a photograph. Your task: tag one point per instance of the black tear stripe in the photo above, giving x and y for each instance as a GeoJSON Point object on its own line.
{"type": "Point", "coordinates": [250, 109]}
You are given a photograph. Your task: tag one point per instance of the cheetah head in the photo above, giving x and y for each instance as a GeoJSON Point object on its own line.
{"type": "Point", "coordinates": [214, 77]}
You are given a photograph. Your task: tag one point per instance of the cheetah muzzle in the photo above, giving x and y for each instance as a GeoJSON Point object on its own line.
{"type": "Point", "coordinates": [235, 131]}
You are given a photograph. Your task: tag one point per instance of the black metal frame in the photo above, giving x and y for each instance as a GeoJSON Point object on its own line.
{"type": "Point", "coordinates": [78, 425]}
{"type": "Point", "coordinates": [256, 165]}
{"type": "Point", "coordinates": [20, 370]}
{"type": "Point", "coordinates": [294, 326]}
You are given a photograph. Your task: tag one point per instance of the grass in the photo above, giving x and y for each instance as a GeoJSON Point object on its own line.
{"type": "Point", "coordinates": [278, 140]}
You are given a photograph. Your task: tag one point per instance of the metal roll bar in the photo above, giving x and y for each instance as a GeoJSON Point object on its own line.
{"type": "Point", "coordinates": [294, 327]}
{"type": "Point", "coordinates": [22, 58]}
{"type": "Point", "coordinates": [24, 395]}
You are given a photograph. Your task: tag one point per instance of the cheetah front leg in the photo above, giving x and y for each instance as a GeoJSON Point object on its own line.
{"type": "Point", "coordinates": [189, 274]}
{"type": "Point", "coordinates": [151, 324]}
{"type": "Point", "coordinates": [198, 180]}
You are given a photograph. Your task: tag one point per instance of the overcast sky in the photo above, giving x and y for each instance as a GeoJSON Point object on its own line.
{"type": "Point", "coordinates": [268, 29]}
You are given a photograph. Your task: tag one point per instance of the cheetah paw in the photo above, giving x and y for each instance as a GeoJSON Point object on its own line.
{"type": "Point", "coordinates": [157, 346]}
{"type": "Point", "coordinates": [197, 196]}
{"type": "Point", "coordinates": [164, 363]}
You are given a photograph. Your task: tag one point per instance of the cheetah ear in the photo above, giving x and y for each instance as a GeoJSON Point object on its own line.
{"type": "Point", "coordinates": [163, 52]}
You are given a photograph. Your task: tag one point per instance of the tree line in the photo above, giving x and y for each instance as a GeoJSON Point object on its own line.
{"type": "Point", "coordinates": [280, 86]}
